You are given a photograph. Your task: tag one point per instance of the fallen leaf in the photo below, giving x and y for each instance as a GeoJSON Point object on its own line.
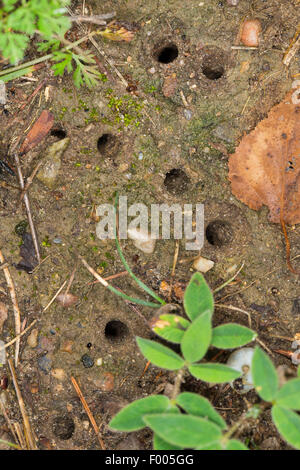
{"type": "Point", "coordinates": [67, 299]}
{"type": "Point", "coordinates": [27, 252]}
{"type": "Point", "coordinates": [3, 314]}
{"type": "Point", "coordinates": [115, 31]}
{"type": "Point", "coordinates": [38, 132]}
{"type": "Point", "coordinates": [265, 168]}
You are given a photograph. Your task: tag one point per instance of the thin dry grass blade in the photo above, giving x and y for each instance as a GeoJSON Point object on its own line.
{"type": "Point", "coordinates": [88, 411]}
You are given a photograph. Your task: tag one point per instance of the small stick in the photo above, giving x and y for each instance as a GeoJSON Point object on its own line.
{"type": "Point", "coordinates": [229, 280]}
{"type": "Point", "coordinates": [54, 297]}
{"type": "Point", "coordinates": [27, 205]}
{"type": "Point", "coordinates": [96, 19]}
{"type": "Point", "coordinates": [19, 336]}
{"type": "Point", "coordinates": [3, 410]}
{"type": "Point", "coordinates": [88, 411]}
{"type": "Point", "coordinates": [184, 99]}
{"type": "Point", "coordinates": [145, 369]}
{"type": "Point", "coordinates": [27, 427]}
{"type": "Point", "coordinates": [16, 309]}
{"type": "Point", "coordinates": [33, 94]}
{"type": "Point", "coordinates": [231, 307]}
{"type": "Point", "coordinates": [21, 438]}
{"type": "Point", "coordinates": [284, 353]}
{"type": "Point", "coordinates": [125, 83]}
{"type": "Point", "coordinates": [174, 268]}
{"type": "Point", "coordinates": [264, 346]}
{"type": "Point", "coordinates": [292, 49]}
{"type": "Point", "coordinates": [30, 179]}
{"type": "Point", "coordinates": [244, 48]}
{"type": "Point", "coordinates": [113, 276]}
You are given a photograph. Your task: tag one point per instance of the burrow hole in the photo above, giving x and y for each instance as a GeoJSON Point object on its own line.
{"type": "Point", "coordinates": [167, 54]}
{"type": "Point", "coordinates": [108, 145]}
{"type": "Point", "coordinates": [212, 66]}
{"type": "Point", "coordinates": [219, 233]}
{"type": "Point", "coordinates": [116, 331]}
{"type": "Point", "coordinates": [58, 132]}
{"type": "Point", "coordinates": [63, 427]}
{"type": "Point", "coordinates": [176, 181]}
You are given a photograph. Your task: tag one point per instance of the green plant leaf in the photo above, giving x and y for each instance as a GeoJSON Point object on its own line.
{"type": "Point", "coordinates": [288, 424]}
{"type": "Point", "coordinates": [22, 19]}
{"type": "Point", "coordinates": [234, 444]}
{"type": "Point", "coordinates": [160, 355]}
{"type": "Point", "coordinates": [214, 372]}
{"type": "Point", "coordinates": [212, 446]}
{"type": "Point", "coordinates": [264, 375]}
{"type": "Point", "coordinates": [130, 418]}
{"type": "Point", "coordinates": [197, 405]}
{"type": "Point", "coordinates": [298, 371]}
{"type": "Point", "coordinates": [198, 297]}
{"type": "Point", "coordinates": [196, 339]}
{"type": "Point", "coordinates": [289, 395]}
{"type": "Point", "coordinates": [13, 46]}
{"type": "Point", "coordinates": [66, 62]}
{"type": "Point", "coordinates": [160, 444]}
{"type": "Point", "coordinates": [183, 430]}
{"type": "Point", "coordinates": [231, 335]}
{"type": "Point", "coordinates": [16, 74]}
{"type": "Point", "coordinates": [170, 327]}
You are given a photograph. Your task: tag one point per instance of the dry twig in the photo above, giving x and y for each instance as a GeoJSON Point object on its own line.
{"type": "Point", "coordinates": [16, 309]}
{"type": "Point", "coordinates": [88, 411]}
{"type": "Point", "coordinates": [27, 428]}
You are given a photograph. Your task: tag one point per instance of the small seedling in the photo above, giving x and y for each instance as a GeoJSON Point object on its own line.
{"type": "Point", "coordinates": [188, 420]}
{"type": "Point", "coordinates": [48, 19]}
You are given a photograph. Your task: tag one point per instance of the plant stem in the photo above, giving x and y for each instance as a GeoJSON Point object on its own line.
{"type": "Point", "coordinates": [48, 56]}
{"type": "Point", "coordinates": [177, 384]}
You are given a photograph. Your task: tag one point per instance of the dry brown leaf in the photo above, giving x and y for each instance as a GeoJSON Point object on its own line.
{"type": "Point", "coordinates": [265, 169]}
{"type": "Point", "coordinates": [3, 314]}
{"type": "Point", "coordinates": [38, 131]}
{"type": "Point", "coordinates": [67, 300]}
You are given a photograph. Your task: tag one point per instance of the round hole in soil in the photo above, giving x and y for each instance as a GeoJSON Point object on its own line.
{"type": "Point", "coordinates": [63, 427]}
{"type": "Point", "coordinates": [107, 145]}
{"type": "Point", "coordinates": [219, 233]}
{"type": "Point", "coordinates": [176, 181]}
{"type": "Point", "coordinates": [213, 65]}
{"type": "Point", "coordinates": [167, 54]}
{"type": "Point", "coordinates": [59, 133]}
{"type": "Point", "coordinates": [116, 331]}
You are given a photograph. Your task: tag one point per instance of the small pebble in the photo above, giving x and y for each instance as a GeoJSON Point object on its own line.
{"type": "Point", "coordinates": [58, 374]}
{"type": "Point", "coordinates": [105, 382]}
{"type": "Point", "coordinates": [57, 240]}
{"type": "Point", "coordinates": [87, 361]}
{"type": "Point", "coordinates": [44, 364]}
{"type": "Point", "coordinates": [152, 70]}
{"type": "Point", "coordinates": [32, 339]}
{"type": "Point", "coordinates": [67, 346]}
{"type": "Point", "coordinates": [187, 114]}
{"type": "Point", "coordinates": [142, 240]}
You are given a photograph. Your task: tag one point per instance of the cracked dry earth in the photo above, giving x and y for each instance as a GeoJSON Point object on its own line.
{"type": "Point", "coordinates": [166, 139]}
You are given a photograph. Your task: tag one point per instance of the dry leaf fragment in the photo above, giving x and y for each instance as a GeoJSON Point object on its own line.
{"type": "Point", "coordinates": [67, 300]}
{"type": "Point", "coordinates": [38, 132]}
{"type": "Point", "coordinates": [265, 168]}
{"type": "Point", "coordinates": [116, 31]}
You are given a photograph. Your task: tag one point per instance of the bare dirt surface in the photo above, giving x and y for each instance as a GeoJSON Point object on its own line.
{"type": "Point", "coordinates": [165, 139]}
